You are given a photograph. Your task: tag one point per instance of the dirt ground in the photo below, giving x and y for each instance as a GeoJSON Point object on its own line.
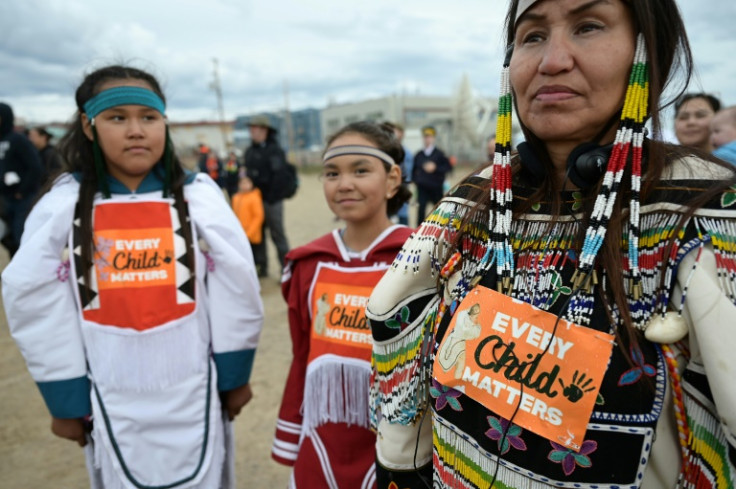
{"type": "Point", "coordinates": [31, 457]}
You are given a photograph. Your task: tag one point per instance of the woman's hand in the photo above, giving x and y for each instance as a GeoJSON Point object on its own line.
{"type": "Point", "coordinates": [71, 429]}
{"type": "Point", "coordinates": [236, 399]}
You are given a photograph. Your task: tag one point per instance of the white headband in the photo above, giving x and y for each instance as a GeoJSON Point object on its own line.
{"type": "Point", "coordinates": [356, 149]}
{"type": "Point", "coordinates": [523, 7]}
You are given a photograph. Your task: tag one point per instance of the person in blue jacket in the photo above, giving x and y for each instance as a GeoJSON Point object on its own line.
{"type": "Point", "coordinates": [723, 134]}
{"type": "Point", "coordinates": [430, 168]}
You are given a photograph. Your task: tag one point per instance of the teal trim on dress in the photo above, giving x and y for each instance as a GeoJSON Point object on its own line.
{"type": "Point", "coordinates": [233, 368]}
{"type": "Point", "coordinates": [67, 399]}
{"type": "Point", "coordinates": [153, 182]}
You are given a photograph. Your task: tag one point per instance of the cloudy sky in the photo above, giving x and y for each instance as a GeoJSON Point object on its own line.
{"type": "Point", "coordinates": [326, 50]}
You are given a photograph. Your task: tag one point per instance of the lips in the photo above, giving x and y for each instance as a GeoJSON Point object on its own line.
{"type": "Point", "coordinates": [136, 149]}
{"type": "Point", "coordinates": [554, 93]}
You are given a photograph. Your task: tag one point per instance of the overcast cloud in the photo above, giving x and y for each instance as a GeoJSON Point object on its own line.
{"type": "Point", "coordinates": [325, 49]}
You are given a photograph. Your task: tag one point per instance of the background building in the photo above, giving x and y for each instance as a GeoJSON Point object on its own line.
{"type": "Point", "coordinates": [187, 136]}
{"type": "Point", "coordinates": [463, 122]}
{"type": "Point", "coordinates": [412, 111]}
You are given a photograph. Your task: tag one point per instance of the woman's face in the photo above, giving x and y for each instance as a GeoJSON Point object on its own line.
{"type": "Point", "coordinates": [570, 66]}
{"type": "Point", "coordinates": [692, 123]}
{"type": "Point", "coordinates": [37, 139]}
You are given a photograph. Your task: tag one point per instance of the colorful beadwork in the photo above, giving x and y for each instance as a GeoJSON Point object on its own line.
{"type": "Point", "coordinates": [630, 133]}
{"type": "Point", "coordinates": [501, 195]}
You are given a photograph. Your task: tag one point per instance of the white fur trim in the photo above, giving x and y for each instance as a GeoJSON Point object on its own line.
{"type": "Point", "coordinates": [336, 391]}
{"type": "Point", "coordinates": [145, 361]}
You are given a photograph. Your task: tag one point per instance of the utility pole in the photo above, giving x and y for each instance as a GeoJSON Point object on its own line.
{"type": "Point", "coordinates": [287, 119]}
{"type": "Point", "coordinates": [215, 85]}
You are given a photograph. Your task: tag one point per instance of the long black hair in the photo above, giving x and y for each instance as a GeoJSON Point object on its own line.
{"type": "Point", "coordinates": [77, 151]}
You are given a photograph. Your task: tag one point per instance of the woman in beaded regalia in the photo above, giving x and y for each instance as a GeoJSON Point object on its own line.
{"type": "Point", "coordinates": [605, 265]}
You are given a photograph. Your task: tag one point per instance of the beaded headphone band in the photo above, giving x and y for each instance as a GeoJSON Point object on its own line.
{"type": "Point", "coordinates": [125, 95]}
{"type": "Point", "coordinates": [629, 138]}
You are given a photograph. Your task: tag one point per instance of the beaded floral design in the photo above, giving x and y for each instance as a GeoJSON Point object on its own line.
{"type": "Point", "coordinates": [445, 395]}
{"type": "Point", "coordinates": [577, 203]}
{"type": "Point", "coordinates": [400, 321]}
{"type": "Point", "coordinates": [729, 197]}
{"type": "Point", "coordinates": [102, 248]}
{"type": "Point", "coordinates": [570, 459]}
{"type": "Point", "coordinates": [62, 271]}
{"type": "Point", "coordinates": [512, 437]}
{"type": "Point", "coordinates": [639, 370]}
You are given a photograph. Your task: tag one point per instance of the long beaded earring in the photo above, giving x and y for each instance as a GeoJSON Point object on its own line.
{"type": "Point", "coordinates": [499, 250]}
{"type": "Point", "coordinates": [629, 138]}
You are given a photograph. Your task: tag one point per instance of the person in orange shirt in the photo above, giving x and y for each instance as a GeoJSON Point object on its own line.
{"type": "Point", "coordinates": [248, 206]}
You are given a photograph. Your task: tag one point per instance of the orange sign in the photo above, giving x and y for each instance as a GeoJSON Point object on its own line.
{"type": "Point", "coordinates": [338, 299]}
{"type": "Point", "coordinates": [506, 353]}
{"type": "Point", "coordinates": [135, 265]}
{"type": "Point", "coordinates": [139, 257]}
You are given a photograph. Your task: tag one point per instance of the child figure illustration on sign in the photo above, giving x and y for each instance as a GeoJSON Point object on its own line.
{"type": "Point", "coordinates": [452, 352]}
{"type": "Point", "coordinates": [320, 316]}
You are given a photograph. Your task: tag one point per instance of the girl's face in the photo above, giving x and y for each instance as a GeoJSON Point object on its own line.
{"type": "Point", "coordinates": [692, 124]}
{"type": "Point", "coordinates": [570, 66]}
{"type": "Point", "coordinates": [357, 187]}
{"type": "Point", "coordinates": [245, 184]}
{"type": "Point", "coordinates": [131, 137]}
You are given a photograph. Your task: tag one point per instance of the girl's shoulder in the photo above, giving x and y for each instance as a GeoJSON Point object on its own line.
{"type": "Point", "coordinates": [52, 217]}
{"type": "Point", "coordinates": [201, 191]}
{"type": "Point", "coordinates": [394, 238]}
{"type": "Point", "coordinates": [694, 181]}
{"type": "Point", "coordinates": [198, 181]}
{"type": "Point", "coordinates": [64, 191]}
{"type": "Point", "coordinates": [66, 182]}
{"type": "Point", "coordinates": [324, 246]}
{"type": "Point", "coordinates": [694, 168]}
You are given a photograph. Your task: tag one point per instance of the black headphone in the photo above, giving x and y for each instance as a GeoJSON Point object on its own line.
{"type": "Point", "coordinates": [585, 164]}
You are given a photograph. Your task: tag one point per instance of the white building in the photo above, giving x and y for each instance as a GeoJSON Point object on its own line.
{"type": "Point", "coordinates": [412, 111]}
{"type": "Point", "coordinates": [450, 115]}
{"type": "Point", "coordinates": [187, 136]}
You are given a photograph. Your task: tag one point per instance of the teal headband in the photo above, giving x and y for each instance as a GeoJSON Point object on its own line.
{"type": "Point", "coordinates": [125, 95]}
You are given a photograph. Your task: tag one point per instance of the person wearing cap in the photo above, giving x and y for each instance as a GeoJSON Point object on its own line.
{"type": "Point", "coordinates": [429, 171]}
{"type": "Point", "coordinates": [606, 291]}
{"type": "Point", "coordinates": [406, 169]}
{"type": "Point", "coordinates": [263, 159]}
{"type": "Point", "coordinates": [21, 175]}
{"type": "Point", "coordinates": [50, 157]}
